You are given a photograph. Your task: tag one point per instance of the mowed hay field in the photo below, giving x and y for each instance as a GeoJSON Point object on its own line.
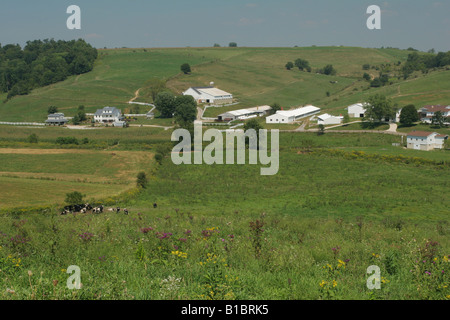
{"type": "Point", "coordinates": [40, 177]}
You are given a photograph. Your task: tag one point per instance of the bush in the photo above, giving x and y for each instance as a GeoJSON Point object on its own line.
{"type": "Point", "coordinates": [67, 140]}
{"type": "Point", "coordinates": [32, 138]}
{"type": "Point", "coordinates": [141, 180]}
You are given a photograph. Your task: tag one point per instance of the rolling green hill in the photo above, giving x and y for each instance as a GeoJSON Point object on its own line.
{"type": "Point", "coordinates": [254, 75]}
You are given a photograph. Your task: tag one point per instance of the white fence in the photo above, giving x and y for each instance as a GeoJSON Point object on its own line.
{"type": "Point", "coordinates": [23, 123]}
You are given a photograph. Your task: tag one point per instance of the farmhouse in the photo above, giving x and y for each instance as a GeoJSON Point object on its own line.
{"type": "Point", "coordinates": [329, 119]}
{"type": "Point", "coordinates": [244, 113]}
{"type": "Point", "coordinates": [108, 115]}
{"type": "Point", "coordinates": [289, 116]}
{"type": "Point", "coordinates": [210, 95]}
{"type": "Point", "coordinates": [427, 112]}
{"type": "Point", "coordinates": [356, 110]}
{"type": "Point", "coordinates": [56, 119]}
{"type": "Point", "coordinates": [423, 140]}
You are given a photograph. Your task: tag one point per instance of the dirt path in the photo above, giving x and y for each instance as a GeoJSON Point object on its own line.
{"type": "Point", "coordinates": [136, 95]}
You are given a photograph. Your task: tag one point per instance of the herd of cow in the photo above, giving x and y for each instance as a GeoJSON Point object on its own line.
{"type": "Point", "coordinates": [84, 208]}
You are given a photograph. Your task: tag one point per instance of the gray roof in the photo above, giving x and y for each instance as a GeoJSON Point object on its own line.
{"type": "Point", "coordinates": [108, 110]}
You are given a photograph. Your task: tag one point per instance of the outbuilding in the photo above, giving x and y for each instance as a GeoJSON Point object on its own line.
{"type": "Point", "coordinates": [209, 95]}
{"type": "Point", "coordinates": [288, 116]}
{"type": "Point", "coordinates": [327, 119]}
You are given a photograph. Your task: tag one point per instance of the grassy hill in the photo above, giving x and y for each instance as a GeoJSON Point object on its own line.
{"type": "Point", "coordinates": [255, 76]}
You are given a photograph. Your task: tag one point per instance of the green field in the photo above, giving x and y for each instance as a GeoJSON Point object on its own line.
{"type": "Point", "coordinates": [226, 232]}
{"type": "Point", "coordinates": [255, 76]}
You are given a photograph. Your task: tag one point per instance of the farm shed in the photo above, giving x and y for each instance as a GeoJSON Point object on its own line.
{"type": "Point", "coordinates": [244, 113]}
{"type": "Point", "coordinates": [288, 116]}
{"type": "Point", "coordinates": [326, 119]}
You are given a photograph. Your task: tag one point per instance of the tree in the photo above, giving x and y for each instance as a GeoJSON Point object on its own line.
{"type": "Point", "coordinates": [366, 66]}
{"type": "Point", "coordinates": [438, 119]}
{"type": "Point", "coordinates": [255, 125]}
{"type": "Point", "coordinates": [329, 70]}
{"type": "Point", "coordinates": [275, 107]}
{"type": "Point", "coordinates": [52, 109]}
{"type": "Point", "coordinates": [32, 138]}
{"type": "Point", "coordinates": [379, 108]}
{"type": "Point", "coordinates": [409, 115]}
{"type": "Point", "coordinates": [74, 198]}
{"type": "Point", "coordinates": [289, 65]}
{"type": "Point", "coordinates": [366, 76]}
{"type": "Point", "coordinates": [302, 64]}
{"type": "Point", "coordinates": [155, 86]}
{"type": "Point", "coordinates": [185, 111]}
{"type": "Point", "coordinates": [216, 45]}
{"type": "Point", "coordinates": [141, 180]}
{"type": "Point", "coordinates": [165, 103]}
{"type": "Point", "coordinates": [321, 130]}
{"type": "Point", "coordinates": [185, 68]}
{"type": "Point", "coordinates": [76, 119]}
{"type": "Point", "coordinates": [346, 118]}
{"type": "Point", "coordinates": [232, 44]}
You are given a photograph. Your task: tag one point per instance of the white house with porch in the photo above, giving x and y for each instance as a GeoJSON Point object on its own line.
{"type": "Point", "coordinates": [423, 140]}
{"type": "Point", "coordinates": [108, 115]}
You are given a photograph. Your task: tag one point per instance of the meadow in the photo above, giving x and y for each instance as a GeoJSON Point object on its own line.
{"type": "Point", "coordinates": [226, 232]}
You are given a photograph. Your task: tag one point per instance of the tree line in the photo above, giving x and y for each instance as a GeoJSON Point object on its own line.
{"type": "Point", "coordinates": [41, 63]}
{"type": "Point", "coordinates": [424, 62]}
{"type": "Point", "coordinates": [303, 65]}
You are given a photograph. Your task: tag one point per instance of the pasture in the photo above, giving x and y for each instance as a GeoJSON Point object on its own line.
{"type": "Point", "coordinates": [226, 232]}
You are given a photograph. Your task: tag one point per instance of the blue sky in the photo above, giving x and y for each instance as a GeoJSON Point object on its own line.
{"type": "Point", "coordinates": [197, 23]}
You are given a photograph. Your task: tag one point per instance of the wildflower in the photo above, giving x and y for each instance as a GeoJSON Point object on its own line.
{"type": "Point", "coordinates": [334, 283]}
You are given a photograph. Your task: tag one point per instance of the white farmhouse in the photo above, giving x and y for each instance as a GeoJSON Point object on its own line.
{"type": "Point", "coordinates": [427, 112]}
{"type": "Point", "coordinates": [356, 110]}
{"type": "Point", "coordinates": [422, 140]}
{"type": "Point", "coordinates": [288, 116]}
{"type": "Point", "coordinates": [326, 119]}
{"type": "Point", "coordinates": [108, 115]}
{"type": "Point", "coordinates": [210, 95]}
{"type": "Point", "coordinates": [56, 119]}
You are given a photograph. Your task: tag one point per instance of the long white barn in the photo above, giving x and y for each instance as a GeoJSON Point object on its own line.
{"type": "Point", "coordinates": [289, 116]}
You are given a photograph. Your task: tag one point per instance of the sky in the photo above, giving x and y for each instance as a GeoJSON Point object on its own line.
{"type": "Point", "coordinates": [420, 24]}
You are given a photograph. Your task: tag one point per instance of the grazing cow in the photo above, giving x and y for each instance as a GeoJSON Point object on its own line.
{"type": "Point", "coordinates": [155, 205]}
{"type": "Point", "coordinates": [125, 211]}
{"type": "Point", "coordinates": [84, 210]}
{"type": "Point", "coordinates": [117, 209]}
{"type": "Point", "coordinates": [111, 209]}
{"type": "Point", "coordinates": [88, 206]}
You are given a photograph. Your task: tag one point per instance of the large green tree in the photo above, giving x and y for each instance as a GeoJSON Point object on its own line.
{"type": "Point", "coordinates": [409, 115]}
{"type": "Point", "coordinates": [378, 108]}
{"type": "Point", "coordinates": [165, 103]}
{"type": "Point", "coordinates": [185, 111]}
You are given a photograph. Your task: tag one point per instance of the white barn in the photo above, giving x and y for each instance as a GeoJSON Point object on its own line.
{"type": "Point", "coordinates": [288, 116]}
{"type": "Point", "coordinates": [327, 119]}
{"type": "Point", "coordinates": [210, 95]}
{"type": "Point", "coordinates": [357, 110]}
